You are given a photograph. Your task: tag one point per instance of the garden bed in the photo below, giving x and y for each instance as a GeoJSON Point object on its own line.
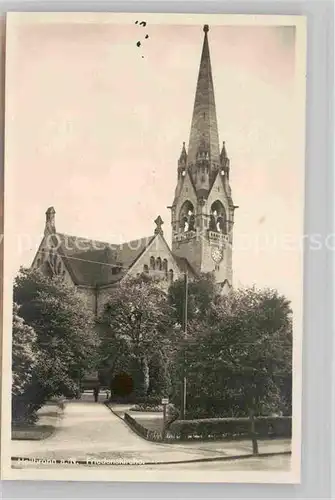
{"type": "Point", "coordinates": [152, 423]}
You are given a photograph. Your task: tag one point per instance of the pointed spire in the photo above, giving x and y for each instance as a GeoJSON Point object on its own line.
{"type": "Point", "coordinates": [204, 130]}
{"type": "Point", "coordinates": [225, 163]}
{"type": "Point", "coordinates": [223, 154]}
{"type": "Point", "coordinates": [183, 155]}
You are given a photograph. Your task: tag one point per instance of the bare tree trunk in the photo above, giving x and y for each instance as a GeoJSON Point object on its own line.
{"type": "Point", "coordinates": [253, 434]}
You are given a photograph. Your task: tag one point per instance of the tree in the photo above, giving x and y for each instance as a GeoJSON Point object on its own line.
{"type": "Point", "coordinates": [24, 356]}
{"type": "Point", "coordinates": [65, 337]}
{"type": "Point", "coordinates": [202, 292]}
{"type": "Point", "coordinates": [140, 327]}
{"type": "Point", "coordinates": [239, 356]}
{"type": "Point", "coordinates": [159, 376]}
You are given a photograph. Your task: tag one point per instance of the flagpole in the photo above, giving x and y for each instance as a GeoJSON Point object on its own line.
{"type": "Point", "coordinates": [184, 381]}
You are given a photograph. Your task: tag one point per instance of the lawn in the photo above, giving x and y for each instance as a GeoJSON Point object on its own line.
{"type": "Point", "coordinates": [48, 419]}
{"type": "Point", "coordinates": [150, 420]}
{"type": "Point", "coordinates": [32, 432]}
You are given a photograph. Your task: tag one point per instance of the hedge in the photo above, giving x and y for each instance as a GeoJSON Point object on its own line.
{"type": "Point", "coordinates": [223, 428]}
{"type": "Point", "coordinates": [147, 408]}
{"type": "Point", "coordinates": [134, 399]}
{"type": "Point", "coordinates": [216, 428]}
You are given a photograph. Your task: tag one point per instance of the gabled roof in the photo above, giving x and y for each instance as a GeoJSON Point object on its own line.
{"type": "Point", "coordinates": [129, 252]}
{"type": "Point", "coordinates": [180, 185]}
{"type": "Point", "coordinates": [226, 187]}
{"type": "Point", "coordinates": [104, 263]}
{"type": "Point", "coordinates": [184, 265]}
{"type": "Point", "coordinates": [93, 262]}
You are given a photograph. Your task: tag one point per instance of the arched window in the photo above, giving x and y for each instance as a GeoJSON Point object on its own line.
{"type": "Point", "coordinates": [187, 217]}
{"type": "Point", "coordinates": [38, 263]}
{"type": "Point", "coordinates": [51, 254]}
{"type": "Point", "coordinates": [64, 273]}
{"type": "Point", "coordinates": [152, 263]}
{"type": "Point", "coordinates": [59, 267]}
{"type": "Point", "coordinates": [159, 263]}
{"type": "Point", "coordinates": [55, 259]}
{"type": "Point", "coordinates": [145, 268]}
{"type": "Point", "coordinates": [218, 218]}
{"type": "Point", "coordinates": [171, 275]}
{"type": "Point", "coordinates": [165, 265]}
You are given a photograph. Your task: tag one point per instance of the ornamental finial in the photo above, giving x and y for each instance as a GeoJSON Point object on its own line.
{"type": "Point", "coordinates": [206, 28]}
{"type": "Point", "coordinates": [159, 222]}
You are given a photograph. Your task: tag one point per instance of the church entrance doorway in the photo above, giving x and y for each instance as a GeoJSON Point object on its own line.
{"type": "Point", "coordinates": [122, 385]}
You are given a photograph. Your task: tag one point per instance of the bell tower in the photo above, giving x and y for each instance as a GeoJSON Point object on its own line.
{"type": "Point", "coordinates": [202, 212]}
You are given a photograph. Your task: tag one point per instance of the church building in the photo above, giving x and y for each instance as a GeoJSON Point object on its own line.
{"type": "Point", "coordinates": [202, 219]}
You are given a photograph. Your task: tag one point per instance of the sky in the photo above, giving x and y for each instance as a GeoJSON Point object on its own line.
{"type": "Point", "coordinates": [95, 126]}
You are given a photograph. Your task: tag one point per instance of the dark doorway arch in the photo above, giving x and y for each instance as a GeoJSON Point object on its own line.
{"type": "Point", "coordinates": [122, 385]}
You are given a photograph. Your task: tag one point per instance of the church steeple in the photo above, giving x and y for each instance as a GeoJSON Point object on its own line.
{"type": "Point", "coordinates": [202, 212]}
{"type": "Point", "coordinates": [204, 137]}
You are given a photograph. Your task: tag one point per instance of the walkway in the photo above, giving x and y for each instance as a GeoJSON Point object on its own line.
{"type": "Point", "coordinates": [89, 429]}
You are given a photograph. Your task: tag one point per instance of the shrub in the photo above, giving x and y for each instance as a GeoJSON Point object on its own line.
{"type": "Point", "coordinates": [24, 356]}
{"type": "Point", "coordinates": [223, 428]}
{"type": "Point", "coordinates": [172, 414]}
{"type": "Point", "coordinates": [147, 407]}
{"type": "Point", "coordinates": [137, 400]}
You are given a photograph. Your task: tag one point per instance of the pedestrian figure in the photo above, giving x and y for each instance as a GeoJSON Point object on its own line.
{"type": "Point", "coordinates": [96, 394]}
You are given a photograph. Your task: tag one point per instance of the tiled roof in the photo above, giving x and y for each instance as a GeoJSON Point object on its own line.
{"type": "Point", "coordinates": [75, 244]}
{"type": "Point", "coordinates": [129, 252]}
{"type": "Point", "coordinates": [184, 265]}
{"type": "Point", "coordinates": [92, 262]}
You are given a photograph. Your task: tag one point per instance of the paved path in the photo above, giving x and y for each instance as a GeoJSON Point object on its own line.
{"type": "Point", "coordinates": [89, 429]}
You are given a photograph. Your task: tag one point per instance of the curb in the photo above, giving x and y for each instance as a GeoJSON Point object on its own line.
{"type": "Point", "coordinates": [114, 413]}
{"type": "Point", "coordinates": [172, 462]}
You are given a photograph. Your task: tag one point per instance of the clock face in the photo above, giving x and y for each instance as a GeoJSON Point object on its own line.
{"type": "Point", "coordinates": [217, 254]}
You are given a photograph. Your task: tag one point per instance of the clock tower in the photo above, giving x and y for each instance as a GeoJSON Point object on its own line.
{"type": "Point", "coordinates": [202, 212]}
